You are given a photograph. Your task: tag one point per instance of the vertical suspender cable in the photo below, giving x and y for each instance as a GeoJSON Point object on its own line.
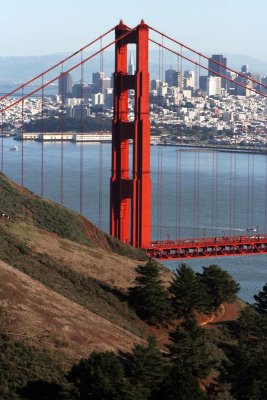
{"type": "Point", "coordinates": [100, 169]}
{"type": "Point", "coordinates": [178, 193]}
{"type": "Point", "coordinates": [101, 57]}
{"type": "Point", "coordinates": [177, 222]}
{"type": "Point", "coordinates": [42, 141]}
{"type": "Point", "coordinates": [234, 194]}
{"type": "Point", "coordinates": [159, 193]}
{"type": "Point", "coordinates": [198, 193]}
{"type": "Point", "coordinates": [231, 192]}
{"type": "Point", "coordinates": [2, 142]}
{"type": "Point", "coordinates": [195, 192]}
{"type": "Point", "coordinates": [265, 198]}
{"type": "Point", "coordinates": [198, 73]}
{"type": "Point", "coordinates": [159, 63]}
{"type": "Point", "coordinates": [158, 198]}
{"type": "Point", "coordinates": [162, 58]}
{"type": "Point", "coordinates": [100, 184]}
{"type": "Point", "coordinates": [63, 94]}
{"type": "Point", "coordinates": [213, 191]}
{"type": "Point", "coordinates": [216, 191]}
{"type": "Point", "coordinates": [81, 131]}
{"type": "Point", "coordinates": [248, 191]}
{"type": "Point", "coordinates": [252, 189]}
{"type": "Point", "coordinates": [22, 138]}
{"type": "Point", "coordinates": [181, 72]}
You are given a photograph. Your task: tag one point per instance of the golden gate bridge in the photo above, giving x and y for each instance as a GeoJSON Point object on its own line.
{"type": "Point", "coordinates": [130, 182]}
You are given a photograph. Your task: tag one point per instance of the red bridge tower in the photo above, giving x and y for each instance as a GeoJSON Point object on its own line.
{"type": "Point", "coordinates": [130, 195]}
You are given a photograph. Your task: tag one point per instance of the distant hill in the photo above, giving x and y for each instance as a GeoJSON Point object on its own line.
{"type": "Point", "coordinates": [15, 70]}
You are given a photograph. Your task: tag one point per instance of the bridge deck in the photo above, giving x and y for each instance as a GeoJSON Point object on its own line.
{"type": "Point", "coordinates": [208, 247]}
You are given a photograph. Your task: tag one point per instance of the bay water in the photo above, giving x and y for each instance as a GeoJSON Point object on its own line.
{"type": "Point", "coordinates": [195, 193]}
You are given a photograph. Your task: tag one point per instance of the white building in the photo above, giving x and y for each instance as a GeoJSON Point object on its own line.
{"type": "Point", "coordinates": [214, 85]}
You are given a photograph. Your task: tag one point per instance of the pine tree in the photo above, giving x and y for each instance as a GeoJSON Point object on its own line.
{"type": "Point", "coordinates": [261, 301]}
{"type": "Point", "coordinates": [180, 384]}
{"type": "Point", "coordinates": [219, 285]}
{"type": "Point", "coordinates": [246, 369]}
{"type": "Point", "coordinates": [188, 348]}
{"type": "Point", "coordinates": [147, 366]}
{"type": "Point", "coordinates": [188, 292]}
{"type": "Point", "coordinates": [101, 377]}
{"type": "Point", "coordinates": [149, 297]}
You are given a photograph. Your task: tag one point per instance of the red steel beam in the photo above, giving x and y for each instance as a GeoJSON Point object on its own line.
{"type": "Point", "coordinates": [208, 247]}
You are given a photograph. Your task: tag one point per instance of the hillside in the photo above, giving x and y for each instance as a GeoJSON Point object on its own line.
{"type": "Point", "coordinates": [62, 281]}
{"type": "Point", "coordinates": [64, 306]}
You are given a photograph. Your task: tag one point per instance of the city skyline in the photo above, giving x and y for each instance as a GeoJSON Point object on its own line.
{"type": "Point", "coordinates": [51, 27]}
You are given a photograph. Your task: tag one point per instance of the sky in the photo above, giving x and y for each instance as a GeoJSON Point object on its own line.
{"type": "Point", "coordinates": [39, 27]}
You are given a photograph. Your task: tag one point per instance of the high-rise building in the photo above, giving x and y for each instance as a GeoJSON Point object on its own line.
{"type": "Point", "coordinates": [203, 82]}
{"type": "Point", "coordinates": [97, 76]}
{"type": "Point", "coordinates": [243, 90]}
{"type": "Point", "coordinates": [244, 69]}
{"type": "Point", "coordinates": [155, 84]}
{"type": "Point", "coordinates": [189, 80]}
{"type": "Point", "coordinates": [171, 77]}
{"type": "Point", "coordinates": [256, 77]}
{"type": "Point", "coordinates": [131, 67]}
{"type": "Point", "coordinates": [264, 81]}
{"type": "Point", "coordinates": [65, 85]}
{"type": "Point", "coordinates": [218, 69]}
{"type": "Point", "coordinates": [105, 83]}
{"type": "Point", "coordinates": [84, 90]}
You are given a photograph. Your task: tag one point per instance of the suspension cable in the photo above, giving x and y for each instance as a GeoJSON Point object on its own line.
{"type": "Point", "coordinates": [207, 58]}
{"type": "Point", "coordinates": [68, 70]}
{"type": "Point", "coordinates": [57, 64]}
{"type": "Point", "coordinates": [209, 69]}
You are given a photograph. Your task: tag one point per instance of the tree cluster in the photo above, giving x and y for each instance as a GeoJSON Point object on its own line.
{"type": "Point", "coordinates": [145, 374]}
{"type": "Point", "coordinates": [189, 292]}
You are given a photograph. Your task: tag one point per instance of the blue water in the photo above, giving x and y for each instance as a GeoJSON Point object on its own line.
{"type": "Point", "coordinates": [204, 175]}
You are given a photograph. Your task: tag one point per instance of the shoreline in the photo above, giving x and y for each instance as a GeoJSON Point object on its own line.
{"type": "Point", "coordinates": [222, 149]}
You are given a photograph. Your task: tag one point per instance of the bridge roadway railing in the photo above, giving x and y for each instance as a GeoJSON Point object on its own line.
{"type": "Point", "coordinates": [208, 247]}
